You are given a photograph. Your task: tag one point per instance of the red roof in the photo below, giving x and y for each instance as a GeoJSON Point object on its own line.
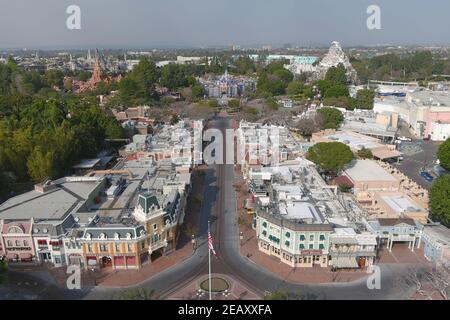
{"type": "Point", "coordinates": [343, 180]}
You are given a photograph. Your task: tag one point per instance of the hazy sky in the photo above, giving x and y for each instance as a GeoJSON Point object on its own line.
{"type": "Point", "coordinates": [160, 23]}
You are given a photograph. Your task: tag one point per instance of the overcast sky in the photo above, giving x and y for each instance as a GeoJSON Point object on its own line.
{"type": "Point", "coordinates": [181, 23]}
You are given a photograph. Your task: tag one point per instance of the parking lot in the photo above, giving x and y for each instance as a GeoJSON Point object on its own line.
{"type": "Point", "coordinates": [418, 155]}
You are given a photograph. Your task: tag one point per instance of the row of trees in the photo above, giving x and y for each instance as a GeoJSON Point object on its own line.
{"type": "Point", "coordinates": [44, 137]}
{"type": "Point", "coordinates": [440, 191]}
{"type": "Point", "coordinates": [416, 66]}
{"type": "Point", "coordinates": [335, 92]}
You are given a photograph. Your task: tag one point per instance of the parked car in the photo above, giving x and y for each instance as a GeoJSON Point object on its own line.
{"type": "Point", "coordinates": [428, 177]}
{"type": "Point", "coordinates": [403, 138]}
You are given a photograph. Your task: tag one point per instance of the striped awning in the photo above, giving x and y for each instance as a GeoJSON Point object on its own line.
{"type": "Point", "coordinates": [344, 262]}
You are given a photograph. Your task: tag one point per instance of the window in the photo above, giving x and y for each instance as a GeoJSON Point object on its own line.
{"type": "Point", "coordinates": [130, 247]}
{"type": "Point", "coordinates": [322, 237]}
{"type": "Point", "coordinates": [103, 247]}
{"type": "Point", "coordinates": [57, 260]}
{"type": "Point", "coordinates": [155, 226]}
{"type": "Point", "coordinates": [287, 243]}
{"type": "Point", "coordinates": [17, 243]}
{"type": "Point", "coordinates": [117, 247]}
{"type": "Point", "coordinates": [302, 237]}
{"type": "Point", "coordinates": [264, 224]}
{"type": "Point", "coordinates": [288, 234]}
{"type": "Point", "coordinates": [302, 246]}
{"type": "Point", "coordinates": [89, 248]}
{"type": "Point", "coordinates": [25, 242]}
{"type": "Point", "coordinates": [311, 237]}
{"type": "Point", "coordinates": [143, 245]}
{"type": "Point", "coordinates": [321, 246]}
{"type": "Point", "coordinates": [311, 246]}
{"type": "Point", "coordinates": [264, 233]}
{"type": "Point", "coordinates": [9, 242]}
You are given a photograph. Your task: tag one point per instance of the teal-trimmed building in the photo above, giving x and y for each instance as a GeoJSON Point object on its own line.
{"type": "Point", "coordinates": [296, 243]}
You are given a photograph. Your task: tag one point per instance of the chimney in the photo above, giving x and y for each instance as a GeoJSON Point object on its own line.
{"type": "Point", "coordinates": [44, 186]}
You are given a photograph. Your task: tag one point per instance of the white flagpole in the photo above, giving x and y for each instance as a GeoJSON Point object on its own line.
{"type": "Point", "coordinates": [209, 262]}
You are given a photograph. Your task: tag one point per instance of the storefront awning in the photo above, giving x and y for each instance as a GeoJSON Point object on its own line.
{"type": "Point", "coordinates": [25, 256]}
{"type": "Point", "coordinates": [344, 262]}
{"type": "Point", "coordinates": [12, 256]}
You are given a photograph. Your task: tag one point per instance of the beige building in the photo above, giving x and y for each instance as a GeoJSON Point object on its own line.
{"type": "Point", "coordinates": [396, 204]}
{"type": "Point", "coordinates": [369, 176]}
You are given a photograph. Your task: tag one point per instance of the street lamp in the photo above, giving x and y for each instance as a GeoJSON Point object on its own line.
{"type": "Point", "coordinates": [193, 241]}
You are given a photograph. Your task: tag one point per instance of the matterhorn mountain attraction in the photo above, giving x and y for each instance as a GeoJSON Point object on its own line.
{"type": "Point", "coordinates": [333, 58]}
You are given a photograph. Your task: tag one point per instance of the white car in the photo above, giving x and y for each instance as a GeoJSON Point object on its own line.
{"type": "Point", "coordinates": [403, 138]}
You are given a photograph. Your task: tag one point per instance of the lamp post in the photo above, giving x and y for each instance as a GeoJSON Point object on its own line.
{"type": "Point", "coordinates": [193, 241]}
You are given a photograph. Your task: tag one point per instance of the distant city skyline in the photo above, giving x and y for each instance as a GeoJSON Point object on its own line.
{"type": "Point", "coordinates": [214, 23]}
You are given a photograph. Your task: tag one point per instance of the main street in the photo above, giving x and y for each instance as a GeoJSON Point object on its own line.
{"type": "Point", "coordinates": [219, 207]}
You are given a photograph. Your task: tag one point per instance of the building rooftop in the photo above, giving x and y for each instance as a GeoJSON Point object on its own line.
{"type": "Point", "coordinates": [400, 203]}
{"type": "Point", "coordinates": [367, 170]}
{"type": "Point", "coordinates": [66, 196]}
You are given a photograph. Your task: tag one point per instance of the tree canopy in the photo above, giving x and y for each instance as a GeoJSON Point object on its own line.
{"type": "Point", "coordinates": [43, 138]}
{"type": "Point", "coordinates": [138, 87]}
{"type": "Point", "coordinates": [332, 117]}
{"type": "Point", "coordinates": [440, 200]}
{"type": "Point", "coordinates": [443, 154]}
{"type": "Point", "coordinates": [330, 156]}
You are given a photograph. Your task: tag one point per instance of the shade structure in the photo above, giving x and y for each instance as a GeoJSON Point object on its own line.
{"type": "Point", "coordinates": [345, 262]}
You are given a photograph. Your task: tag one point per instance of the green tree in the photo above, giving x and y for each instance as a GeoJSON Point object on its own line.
{"type": "Point", "coordinates": [337, 90]}
{"type": "Point", "coordinates": [365, 154]}
{"type": "Point", "coordinates": [330, 156]}
{"type": "Point", "coordinates": [53, 78]}
{"type": "Point", "coordinates": [337, 75]}
{"type": "Point", "coordinates": [272, 104]}
{"type": "Point", "coordinates": [139, 85]}
{"type": "Point", "coordinates": [295, 88]}
{"type": "Point", "coordinates": [234, 104]}
{"type": "Point", "coordinates": [41, 164]}
{"type": "Point", "coordinates": [244, 65]}
{"type": "Point", "coordinates": [174, 76]}
{"type": "Point", "coordinates": [332, 117]}
{"type": "Point", "coordinates": [197, 92]}
{"type": "Point", "coordinates": [443, 154]}
{"type": "Point", "coordinates": [365, 99]}
{"type": "Point", "coordinates": [440, 200]}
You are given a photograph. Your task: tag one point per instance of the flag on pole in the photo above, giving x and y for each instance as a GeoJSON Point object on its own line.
{"type": "Point", "coordinates": [210, 243]}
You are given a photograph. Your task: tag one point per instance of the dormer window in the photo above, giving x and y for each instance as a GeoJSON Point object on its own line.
{"type": "Point", "coordinates": [88, 236]}
{"type": "Point", "coordinates": [128, 236]}
{"type": "Point", "coordinates": [103, 236]}
{"type": "Point", "coordinates": [116, 236]}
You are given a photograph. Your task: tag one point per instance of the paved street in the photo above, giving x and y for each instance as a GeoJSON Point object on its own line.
{"type": "Point", "coordinates": [219, 206]}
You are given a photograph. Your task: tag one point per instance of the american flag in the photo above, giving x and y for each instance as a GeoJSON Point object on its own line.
{"type": "Point", "coordinates": [210, 243]}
